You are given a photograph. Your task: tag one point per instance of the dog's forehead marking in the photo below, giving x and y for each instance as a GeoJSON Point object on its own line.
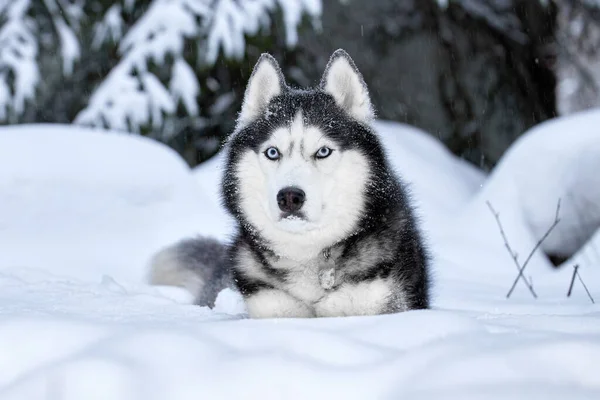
{"type": "Point", "coordinates": [309, 137]}
{"type": "Point", "coordinates": [296, 131]}
{"type": "Point", "coordinates": [298, 137]}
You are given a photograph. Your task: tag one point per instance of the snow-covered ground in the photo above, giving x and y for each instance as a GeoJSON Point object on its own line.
{"type": "Point", "coordinates": [81, 211]}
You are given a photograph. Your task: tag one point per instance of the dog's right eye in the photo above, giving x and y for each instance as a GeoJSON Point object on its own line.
{"type": "Point", "coordinates": [272, 153]}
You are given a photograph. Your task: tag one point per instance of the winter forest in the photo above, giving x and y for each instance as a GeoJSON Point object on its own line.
{"type": "Point", "coordinates": [113, 115]}
{"type": "Point", "coordinates": [474, 73]}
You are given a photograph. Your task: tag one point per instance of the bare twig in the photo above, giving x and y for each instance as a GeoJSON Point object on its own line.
{"type": "Point", "coordinates": [575, 267]}
{"type": "Point", "coordinates": [537, 245]}
{"type": "Point", "coordinates": [576, 273]}
{"type": "Point", "coordinates": [585, 287]}
{"type": "Point", "coordinates": [510, 250]}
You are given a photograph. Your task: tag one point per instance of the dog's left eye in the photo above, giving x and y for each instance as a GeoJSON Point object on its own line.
{"type": "Point", "coordinates": [323, 152]}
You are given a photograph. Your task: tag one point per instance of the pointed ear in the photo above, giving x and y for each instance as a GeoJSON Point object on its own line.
{"type": "Point", "coordinates": [345, 83]}
{"type": "Point", "coordinates": [266, 82]}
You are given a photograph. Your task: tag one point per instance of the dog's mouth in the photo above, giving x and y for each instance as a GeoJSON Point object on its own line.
{"type": "Point", "coordinates": [293, 216]}
{"type": "Point", "coordinates": [295, 222]}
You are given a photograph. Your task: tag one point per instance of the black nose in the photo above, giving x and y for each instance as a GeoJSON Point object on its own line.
{"type": "Point", "coordinates": [290, 199]}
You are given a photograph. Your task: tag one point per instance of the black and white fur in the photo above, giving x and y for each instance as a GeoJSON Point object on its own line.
{"type": "Point", "coordinates": [325, 227]}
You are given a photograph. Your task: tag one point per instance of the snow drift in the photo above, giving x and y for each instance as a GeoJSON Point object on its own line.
{"type": "Point", "coordinates": [81, 212]}
{"type": "Point", "coordinates": [89, 201]}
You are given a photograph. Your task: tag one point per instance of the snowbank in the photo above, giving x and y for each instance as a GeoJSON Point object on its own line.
{"type": "Point", "coordinates": [85, 203]}
{"type": "Point", "coordinates": [81, 211]}
{"type": "Point", "coordinates": [557, 160]}
{"type": "Point", "coordinates": [440, 183]}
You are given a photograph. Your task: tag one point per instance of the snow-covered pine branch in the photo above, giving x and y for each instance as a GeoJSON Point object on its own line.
{"type": "Point", "coordinates": [110, 28]}
{"type": "Point", "coordinates": [233, 20]}
{"type": "Point", "coordinates": [132, 97]}
{"type": "Point", "coordinates": [66, 17]}
{"type": "Point", "coordinates": [20, 28]}
{"type": "Point", "coordinates": [19, 72]}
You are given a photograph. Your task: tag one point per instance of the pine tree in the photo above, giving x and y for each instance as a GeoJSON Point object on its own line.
{"type": "Point", "coordinates": [133, 65]}
{"type": "Point", "coordinates": [157, 82]}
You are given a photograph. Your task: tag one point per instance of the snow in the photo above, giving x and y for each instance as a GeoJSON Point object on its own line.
{"type": "Point", "coordinates": [108, 195]}
{"type": "Point", "coordinates": [81, 211]}
{"type": "Point", "coordinates": [571, 178]}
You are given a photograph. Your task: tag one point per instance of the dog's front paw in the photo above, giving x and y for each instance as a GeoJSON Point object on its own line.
{"type": "Point", "coordinates": [350, 299]}
{"type": "Point", "coordinates": [273, 303]}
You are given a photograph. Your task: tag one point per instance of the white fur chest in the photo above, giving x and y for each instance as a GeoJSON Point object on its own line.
{"type": "Point", "coordinates": [302, 280]}
{"type": "Point", "coordinates": [299, 290]}
{"type": "Point", "coordinates": [299, 278]}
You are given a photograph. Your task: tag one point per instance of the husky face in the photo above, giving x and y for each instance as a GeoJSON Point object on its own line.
{"type": "Point", "coordinates": [297, 169]}
{"type": "Point", "coordinates": [307, 180]}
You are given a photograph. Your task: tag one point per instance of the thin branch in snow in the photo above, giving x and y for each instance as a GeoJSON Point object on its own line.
{"type": "Point", "coordinates": [576, 273]}
{"type": "Point", "coordinates": [537, 245]}
{"type": "Point", "coordinates": [575, 268]}
{"type": "Point", "coordinates": [585, 287]}
{"type": "Point", "coordinates": [550, 229]}
{"type": "Point", "coordinates": [512, 253]}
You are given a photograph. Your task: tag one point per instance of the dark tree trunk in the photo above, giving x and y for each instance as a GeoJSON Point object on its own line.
{"type": "Point", "coordinates": [476, 81]}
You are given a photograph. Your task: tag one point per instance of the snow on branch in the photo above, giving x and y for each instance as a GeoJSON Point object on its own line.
{"type": "Point", "coordinates": [19, 72]}
{"type": "Point", "coordinates": [69, 45]}
{"type": "Point", "coordinates": [111, 27]}
{"type": "Point", "coordinates": [133, 97]}
{"type": "Point", "coordinates": [234, 19]}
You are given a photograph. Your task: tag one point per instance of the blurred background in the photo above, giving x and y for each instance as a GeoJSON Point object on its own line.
{"type": "Point", "coordinates": [474, 73]}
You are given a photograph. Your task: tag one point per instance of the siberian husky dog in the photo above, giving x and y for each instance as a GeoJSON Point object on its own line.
{"type": "Point", "coordinates": [324, 225]}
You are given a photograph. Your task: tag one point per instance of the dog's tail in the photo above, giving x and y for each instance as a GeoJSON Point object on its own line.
{"type": "Point", "coordinates": [200, 265]}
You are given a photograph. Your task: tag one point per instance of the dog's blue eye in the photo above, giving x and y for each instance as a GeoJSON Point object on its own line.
{"type": "Point", "coordinates": [272, 153]}
{"type": "Point", "coordinates": [323, 152]}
